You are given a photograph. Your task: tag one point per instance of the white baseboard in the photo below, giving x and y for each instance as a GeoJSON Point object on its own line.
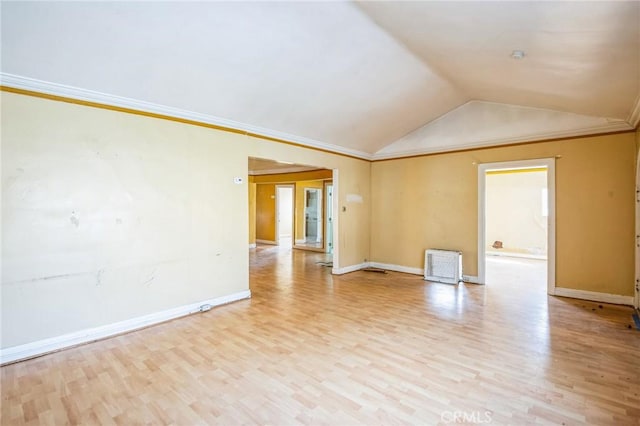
{"type": "Point", "coordinates": [397, 268]}
{"type": "Point", "coordinates": [252, 245]}
{"type": "Point", "coordinates": [304, 241]}
{"type": "Point", "coordinates": [347, 269]}
{"type": "Point", "coordinates": [273, 243]}
{"type": "Point", "coordinates": [517, 255]}
{"type": "Point", "coordinates": [594, 296]}
{"type": "Point", "coordinates": [416, 271]}
{"type": "Point", "coordinates": [41, 347]}
{"type": "Point", "coordinates": [471, 279]}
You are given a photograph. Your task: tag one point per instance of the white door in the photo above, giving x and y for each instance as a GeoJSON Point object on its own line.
{"type": "Point", "coordinates": [284, 216]}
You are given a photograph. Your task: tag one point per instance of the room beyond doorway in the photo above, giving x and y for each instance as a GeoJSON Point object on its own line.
{"type": "Point", "coordinates": [314, 221]}
{"type": "Point", "coordinates": [516, 216]}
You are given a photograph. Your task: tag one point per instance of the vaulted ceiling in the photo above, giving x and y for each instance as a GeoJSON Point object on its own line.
{"type": "Point", "coordinates": [370, 79]}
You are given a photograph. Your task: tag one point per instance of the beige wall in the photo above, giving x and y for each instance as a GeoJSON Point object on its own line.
{"type": "Point", "coordinates": [514, 212]}
{"type": "Point", "coordinates": [431, 201]}
{"type": "Point", "coordinates": [108, 216]}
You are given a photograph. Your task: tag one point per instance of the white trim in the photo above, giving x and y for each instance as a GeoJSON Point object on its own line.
{"type": "Point", "coordinates": [319, 221]}
{"type": "Point", "coordinates": [302, 241]}
{"type": "Point", "coordinates": [518, 255]}
{"type": "Point", "coordinates": [594, 296]}
{"type": "Point", "coordinates": [614, 126]}
{"type": "Point", "coordinates": [269, 242]}
{"type": "Point", "coordinates": [327, 217]}
{"type": "Point", "coordinates": [26, 83]}
{"type": "Point", "coordinates": [470, 279]}
{"type": "Point", "coordinates": [252, 245]}
{"type": "Point", "coordinates": [347, 269]}
{"type": "Point", "coordinates": [634, 116]}
{"type": "Point", "coordinates": [636, 253]}
{"type": "Point", "coordinates": [550, 164]}
{"type": "Point", "coordinates": [397, 268]}
{"type": "Point", "coordinates": [46, 87]}
{"type": "Point", "coordinates": [336, 223]}
{"type": "Point", "coordinates": [41, 347]}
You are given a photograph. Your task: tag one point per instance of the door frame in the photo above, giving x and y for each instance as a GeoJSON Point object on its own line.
{"type": "Point", "coordinates": [326, 216]}
{"type": "Point", "coordinates": [636, 284]}
{"type": "Point", "coordinates": [319, 219]}
{"type": "Point", "coordinates": [550, 164]}
{"type": "Point", "coordinates": [293, 211]}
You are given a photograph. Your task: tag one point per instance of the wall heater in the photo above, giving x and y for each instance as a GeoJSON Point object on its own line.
{"type": "Point", "coordinates": [444, 266]}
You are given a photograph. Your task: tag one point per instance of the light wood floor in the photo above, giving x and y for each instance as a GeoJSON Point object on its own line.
{"type": "Point", "coordinates": [363, 348]}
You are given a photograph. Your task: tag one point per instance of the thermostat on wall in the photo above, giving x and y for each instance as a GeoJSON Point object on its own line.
{"type": "Point", "coordinates": [237, 180]}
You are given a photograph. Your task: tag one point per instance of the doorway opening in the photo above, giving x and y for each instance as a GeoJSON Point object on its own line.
{"type": "Point", "coordinates": [313, 216]}
{"type": "Point", "coordinates": [305, 221]}
{"type": "Point", "coordinates": [284, 209]}
{"type": "Point", "coordinates": [516, 223]}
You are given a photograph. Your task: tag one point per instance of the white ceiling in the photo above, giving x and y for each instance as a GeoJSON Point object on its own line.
{"type": "Point", "coordinates": [372, 79]}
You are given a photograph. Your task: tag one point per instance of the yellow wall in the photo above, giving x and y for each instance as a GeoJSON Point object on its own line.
{"type": "Point", "coordinates": [266, 212]}
{"type": "Point", "coordinates": [109, 216]}
{"type": "Point", "coordinates": [431, 201]}
{"type": "Point", "coordinates": [252, 211]}
{"type": "Point", "coordinates": [299, 178]}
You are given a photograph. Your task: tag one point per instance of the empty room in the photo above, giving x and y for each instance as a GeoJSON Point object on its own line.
{"type": "Point", "coordinates": [320, 213]}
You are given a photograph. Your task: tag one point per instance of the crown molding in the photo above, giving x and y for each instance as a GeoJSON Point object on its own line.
{"type": "Point", "coordinates": [134, 106]}
{"type": "Point", "coordinates": [612, 127]}
{"type": "Point", "coordinates": [129, 105]}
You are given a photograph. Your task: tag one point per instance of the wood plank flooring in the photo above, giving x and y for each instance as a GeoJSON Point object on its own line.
{"type": "Point", "coordinates": [363, 348]}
